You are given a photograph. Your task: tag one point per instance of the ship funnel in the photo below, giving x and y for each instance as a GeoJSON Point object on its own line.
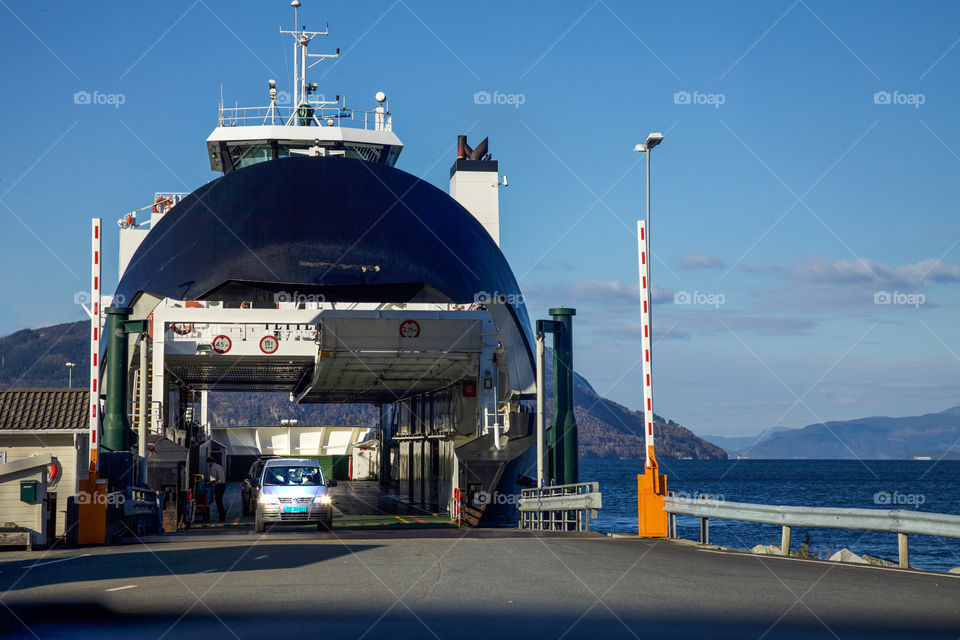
{"type": "Point", "coordinates": [465, 152]}
{"type": "Point", "coordinates": [474, 180]}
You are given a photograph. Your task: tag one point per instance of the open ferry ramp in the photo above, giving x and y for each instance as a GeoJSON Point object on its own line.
{"type": "Point", "coordinates": [369, 578]}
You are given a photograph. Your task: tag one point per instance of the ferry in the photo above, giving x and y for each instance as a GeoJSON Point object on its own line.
{"type": "Point", "coordinates": [315, 267]}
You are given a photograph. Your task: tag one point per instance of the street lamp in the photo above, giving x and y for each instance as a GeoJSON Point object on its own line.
{"type": "Point", "coordinates": [70, 366]}
{"type": "Point", "coordinates": [653, 140]}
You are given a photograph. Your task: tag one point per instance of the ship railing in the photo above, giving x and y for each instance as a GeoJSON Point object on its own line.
{"type": "Point", "coordinates": [563, 507]}
{"type": "Point", "coordinates": [903, 522]}
{"type": "Point", "coordinates": [321, 116]}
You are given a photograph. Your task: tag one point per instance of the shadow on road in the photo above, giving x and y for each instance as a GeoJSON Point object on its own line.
{"type": "Point", "coordinates": [137, 563]}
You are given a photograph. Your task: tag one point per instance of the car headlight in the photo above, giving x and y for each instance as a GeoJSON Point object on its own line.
{"type": "Point", "coordinates": [266, 499]}
{"type": "Point", "coordinates": [324, 499]}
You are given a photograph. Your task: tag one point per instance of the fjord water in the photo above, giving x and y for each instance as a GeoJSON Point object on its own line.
{"type": "Point", "coordinates": [870, 484]}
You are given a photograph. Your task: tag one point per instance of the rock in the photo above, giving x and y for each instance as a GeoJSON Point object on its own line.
{"type": "Point", "coordinates": [766, 549]}
{"type": "Point", "coordinates": [845, 555]}
{"type": "Point", "coordinates": [879, 562]}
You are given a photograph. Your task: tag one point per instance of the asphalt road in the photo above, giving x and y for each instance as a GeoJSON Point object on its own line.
{"type": "Point", "coordinates": [457, 586]}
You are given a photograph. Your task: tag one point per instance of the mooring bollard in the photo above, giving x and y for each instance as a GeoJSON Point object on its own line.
{"type": "Point", "coordinates": [785, 541]}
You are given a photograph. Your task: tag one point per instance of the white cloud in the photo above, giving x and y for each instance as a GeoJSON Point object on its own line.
{"type": "Point", "coordinates": [700, 261]}
{"type": "Point", "coordinates": [918, 275]}
{"type": "Point", "coordinates": [599, 292]}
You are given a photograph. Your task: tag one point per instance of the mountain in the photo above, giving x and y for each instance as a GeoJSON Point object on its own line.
{"type": "Point", "coordinates": [735, 444]}
{"type": "Point", "coordinates": [36, 357]}
{"type": "Point", "coordinates": [876, 438]}
{"type": "Point", "coordinates": [610, 430]}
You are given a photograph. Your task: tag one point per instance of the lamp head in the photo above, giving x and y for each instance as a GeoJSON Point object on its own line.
{"type": "Point", "coordinates": [653, 140]}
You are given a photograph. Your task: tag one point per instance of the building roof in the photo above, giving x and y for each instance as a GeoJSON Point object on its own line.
{"type": "Point", "coordinates": [44, 409]}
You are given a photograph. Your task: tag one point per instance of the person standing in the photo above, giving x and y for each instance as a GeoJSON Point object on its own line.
{"type": "Point", "coordinates": [217, 477]}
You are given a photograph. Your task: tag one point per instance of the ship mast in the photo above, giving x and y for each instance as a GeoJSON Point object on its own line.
{"type": "Point", "coordinates": [301, 57]}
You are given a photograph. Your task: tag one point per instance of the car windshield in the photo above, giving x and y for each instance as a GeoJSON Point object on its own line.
{"type": "Point", "coordinates": [293, 476]}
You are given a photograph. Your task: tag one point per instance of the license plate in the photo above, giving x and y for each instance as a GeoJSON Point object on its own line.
{"type": "Point", "coordinates": [294, 509]}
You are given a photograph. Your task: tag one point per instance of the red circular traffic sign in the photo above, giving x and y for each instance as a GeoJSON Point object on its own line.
{"type": "Point", "coordinates": [221, 344]}
{"type": "Point", "coordinates": [409, 329]}
{"type": "Point", "coordinates": [269, 344]}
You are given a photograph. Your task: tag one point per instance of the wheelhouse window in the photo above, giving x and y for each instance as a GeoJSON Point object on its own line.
{"type": "Point", "coordinates": [244, 155]}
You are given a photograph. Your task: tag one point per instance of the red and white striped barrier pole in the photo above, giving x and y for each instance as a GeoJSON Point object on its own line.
{"type": "Point", "coordinates": [646, 342]}
{"type": "Point", "coordinates": [651, 484]}
{"type": "Point", "coordinates": [95, 329]}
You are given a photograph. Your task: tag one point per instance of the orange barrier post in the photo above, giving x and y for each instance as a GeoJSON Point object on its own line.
{"type": "Point", "coordinates": [651, 489]}
{"type": "Point", "coordinates": [92, 511]}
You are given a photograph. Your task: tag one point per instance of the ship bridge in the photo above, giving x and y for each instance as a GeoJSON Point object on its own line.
{"type": "Point", "coordinates": [305, 123]}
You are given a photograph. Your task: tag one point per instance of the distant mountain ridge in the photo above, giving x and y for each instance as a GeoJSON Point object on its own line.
{"type": "Point", "coordinates": [36, 357]}
{"type": "Point", "coordinates": [875, 438]}
{"type": "Point", "coordinates": [739, 443]}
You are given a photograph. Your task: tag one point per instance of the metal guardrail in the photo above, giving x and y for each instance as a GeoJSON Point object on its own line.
{"type": "Point", "coordinates": [900, 521]}
{"type": "Point", "coordinates": [565, 507]}
{"type": "Point", "coordinates": [282, 114]}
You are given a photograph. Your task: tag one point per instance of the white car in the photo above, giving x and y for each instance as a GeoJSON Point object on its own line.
{"type": "Point", "coordinates": [293, 491]}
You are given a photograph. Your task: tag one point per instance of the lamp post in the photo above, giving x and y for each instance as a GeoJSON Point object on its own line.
{"type": "Point", "coordinates": [653, 140]}
{"type": "Point", "coordinates": [70, 366]}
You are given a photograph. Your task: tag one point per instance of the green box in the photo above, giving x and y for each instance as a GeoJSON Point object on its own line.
{"type": "Point", "coordinates": [28, 490]}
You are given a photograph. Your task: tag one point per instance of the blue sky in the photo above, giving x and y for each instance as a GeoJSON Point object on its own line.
{"type": "Point", "coordinates": [809, 165]}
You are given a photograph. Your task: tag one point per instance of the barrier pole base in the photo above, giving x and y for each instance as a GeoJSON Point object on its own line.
{"type": "Point", "coordinates": [651, 490]}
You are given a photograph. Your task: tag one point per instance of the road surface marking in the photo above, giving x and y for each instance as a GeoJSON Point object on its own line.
{"type": "Point", "coordinates": [402, 520]}
{"type": "Point", "coordinates": [56, 561]}
{"type": "Point", "coordinates": [261, 557]}
{"type": "Point", "coordinates": [418, 519]}
{"type": "Point", "coordinates": [129, 586]}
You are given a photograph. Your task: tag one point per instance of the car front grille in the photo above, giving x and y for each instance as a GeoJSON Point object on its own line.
{"type": "Point", "coordinates": [296, 500]}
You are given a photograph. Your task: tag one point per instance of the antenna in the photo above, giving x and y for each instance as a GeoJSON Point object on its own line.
{"type": "Point", "coordinates": [303, 89]}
